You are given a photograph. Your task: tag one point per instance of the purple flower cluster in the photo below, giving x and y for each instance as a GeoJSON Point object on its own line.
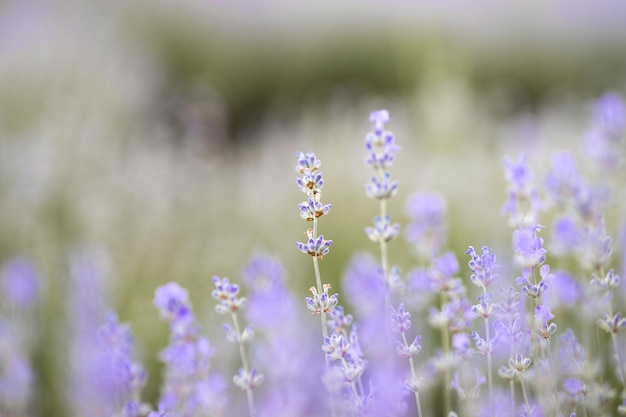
{"type": "Point", "coordinates": [311, 184]}
{"type": "Point", "coordinates": [20, 285]}
{"type": "Point", "coordinates": [488, 349]}
{"type": "Point", "coordinates": [189, 388]}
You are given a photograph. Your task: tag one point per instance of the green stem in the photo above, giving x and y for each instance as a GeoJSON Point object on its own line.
{"type": "Point", "coordinates": [524, 393]}
{"type": "Point", "coordinates": [244, 363]}
{"type": "Point", "coordinates": [489, 364]}
{"type": "Point", "coordinates": [414, 378]}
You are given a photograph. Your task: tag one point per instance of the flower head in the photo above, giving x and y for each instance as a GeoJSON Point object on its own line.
{"type": "Point", "coordinates": [226, 293]}
{"type": "Point", "coordinates": [173, 303]}
{"type": "Point", "coordinates": [307, 162]}
{"type": "Point", "coordinates": [529, 251]}
{"type": "Point", "coordinates": [20, 282]}
{"type": "Point", "coordinates": [321, 302]}
{"type": "Point", "coordinates": [383, 230]}
{"type": "Point", "coordinates": [400, 319]}
{"type": "Point", "coordinates": [313, 209]}
{"type": "Point", "coordinates": [317, 247]}
{"type": "Point", "coordinates": [380, 144]}
{"type": "Point", "coordinates": [483, 267]}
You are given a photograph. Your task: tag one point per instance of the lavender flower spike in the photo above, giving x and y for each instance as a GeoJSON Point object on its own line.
{"type": "Point", "coordinates": [400, 319]}
{"type": "Point", "coordinates": [483, 267]}
{"type": "Point", "coordinates": [188, 387]}
{"type": "Point", "coordinates": [315, 247]}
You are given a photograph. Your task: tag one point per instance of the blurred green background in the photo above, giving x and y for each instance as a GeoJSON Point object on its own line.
{"type": "Point", "coordinates": [165, 132]}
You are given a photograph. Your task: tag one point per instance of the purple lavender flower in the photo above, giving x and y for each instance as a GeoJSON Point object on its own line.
{"type": "Point", "coordinates": [608, 129]}
{"type": "Point", "coordinates": [483, 267]}
{"type": "Point", "coordinates": [226, 293]}
{"type": "Point", "coordinates": [442, 275]}
{"type": "Point", "coordinates": [89, 393]}
{"type": "Point", "coordinates": [123, 377]}
{"type": "Point", "coordinates": [310, 183]}
{"type": "Point", "coordinates": [427, 230]}
{"type": "Point", "coordinates": [336, 347]}
{"type": "Point", "coordinates": [20, 282]}
{"type": "Point", "coordinates": [542, 317]}
{"type": "Point", "coordinates": [316, 247]}
{"type": "Point", "coordinates": [321, 302]}
{"type": "Point", "coordinates": [529, 251]}
{"type": "Point", "coordinates": [521, 191]}
{"type": "Point", "coordinates": [338, 320]}
{"type": "Point", "coordinates": [409, 350]}
{"type": "Point", "coordinates": [307, 162]}
{"type": "Point", "coordinates": [383, 230]}
{"type": "Point", "coordinates": [564, 183]}
{"type": "Point", "coordinates": [248, 380]}
{"type": "Point", "coordinates": [188, 388]}
{"type": "Point", "coordinates": [612, 323]}
{"type": "Point", "coordinates": [537, 290]}
{"type": "Point", "coordinates": [378, 118]}
{"type": "Point", "coordinates": [380, 143]}
{"type": "Point", "coordinates": [595, 247]}
{"type": "Point", "coordinates": [566, 236]}
{"type": "Point", "coordinates": [17, 376]}
{"type": "Point", "coordinates": [313, 209]}
{"type": "Point", "coordinates": [455, 315]}
{"type": "Point", "coordinates": [172, 301]}
{"type": "Point", "coordinates": [381, 188]}
{"type": "Point", "coordinates": [288, 349]}
{"type": "Point", "coordinates": [485, 306]}
{"type": "Point", "coordinates": [569, 290]}
{"type": "Point", "coordinates": [571, 354]}
{"type": "Point", "coordinates": [400, 319]}
{"type": "Point", "coordinates": [364, 285]}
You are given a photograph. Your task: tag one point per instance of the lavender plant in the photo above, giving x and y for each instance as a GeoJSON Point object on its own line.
{"type": "Point", "coordinates": [248, 377]}
{"type": "Point", "coordinates": [499, 355]}
{"type": "Point", "coordinates": [189, 388]}
{"type": "Point", "coordinates": [311, 184]}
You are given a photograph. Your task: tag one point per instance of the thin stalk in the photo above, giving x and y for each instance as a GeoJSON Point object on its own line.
{"type": "Point", "coordinates": [414, 378]}
{"type": "Point", "coordinates": [553, 373]}
{"type": "Point", "coordinates": [445, 343]}
{"type": "Point", "coordinates": [318, 283]}
{"type": "Point", "coordinates": [489, 365]}
{"type": "Point", "coordinates": [512, 389]}
{"type": "Point", "coordinates": [524, 393]}
{"type": "Point", "coordinates": [616, 350]}
{"type": "Point", "coordinates": [244, 364]}
{"type": "Point", "coordinates": [555, 390]}
{"type": "Point", "coordinates": [384, 259]}
{"type": "Point", "coordinates": [617, 358]}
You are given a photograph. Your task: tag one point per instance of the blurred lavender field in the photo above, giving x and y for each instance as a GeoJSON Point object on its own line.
{"type": "Point", "coordinates": [143, 143]}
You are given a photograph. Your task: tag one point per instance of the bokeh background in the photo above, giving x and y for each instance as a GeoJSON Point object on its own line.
{"type": "Point", "coordinates": [160, 136]}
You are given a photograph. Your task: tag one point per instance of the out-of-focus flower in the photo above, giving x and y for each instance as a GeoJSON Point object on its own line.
{"type": "Point", "coordinates": [189, 389]}
{"type": "Point", "coordinates": [426, 231]}
{"type": "Point", "coordinates": [20, 282]}
{"type": "Point", "coordinates": [604, 141]}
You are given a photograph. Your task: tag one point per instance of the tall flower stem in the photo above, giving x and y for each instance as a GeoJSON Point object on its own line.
{"type": "Point", "coordinates": [384, 260]}
{"type": "Point", "coordinates": [226, 294]}
{"type": "Point", "coordinates": [244, 364]}
{"type": "Point", "coordinates": [445, 343]}
{"type": "Point", "coordinates": [381, 154]}
{"type": "Point", "coordinates": [414, 378]}
{"type": "Point", "coordinates": [489, 365]}
{"type": "Point", "coordinates": [524, 393]}
{"type": "Point", "coordinates": [318, 283]}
